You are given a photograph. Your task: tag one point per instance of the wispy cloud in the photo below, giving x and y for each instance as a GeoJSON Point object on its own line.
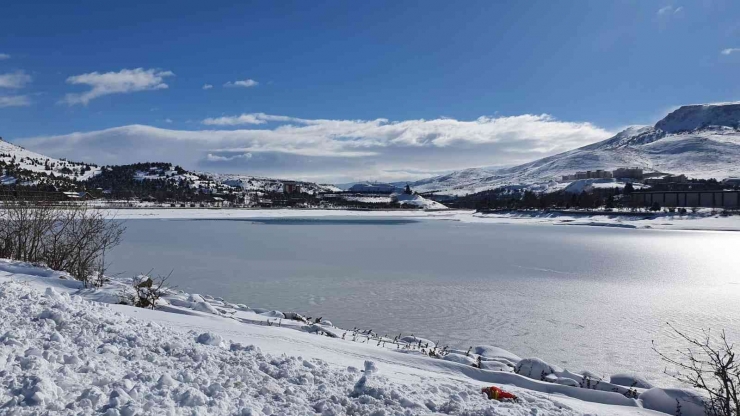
{"type": "Point", "coordinates": [326, 149]}
{"type": "Point", "coordinates": [207, 86]}
{"type": "Point", "coordinates": [123, 81]}
{"type": "Point", "coordinates": [15, 80]}
{"type": "Point", "coordinates": [217, 158]}
{"type": "Point", "coordinates": [243, 119]}
{"type": "Point", "coordinates": [729, 51]}
{"type": "Point", "coordinates": [4, 56]}
{"type": "Point", "coordinates": [168, 120]}
{"type": "Point", "coordinates": [14, 101]}
{"type": "Point", "coordinates": [669, 10]}
{"type": "Point", "coordinates": [245, 83]}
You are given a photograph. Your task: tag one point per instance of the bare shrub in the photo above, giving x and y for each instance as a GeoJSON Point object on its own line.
{"type": "Point", "coordinates": [147, 290]}
{"type": "Point", "coordinates": [72, 238]}
{"type": "Point", "coordinates": [708, 364]}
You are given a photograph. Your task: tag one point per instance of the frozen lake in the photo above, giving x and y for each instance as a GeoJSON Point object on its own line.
{"type": "Point", "coordinates": [585, 298]}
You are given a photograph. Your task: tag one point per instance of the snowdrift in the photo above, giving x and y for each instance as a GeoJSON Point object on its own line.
{"type": "Point", "coordinates": [65, 354]}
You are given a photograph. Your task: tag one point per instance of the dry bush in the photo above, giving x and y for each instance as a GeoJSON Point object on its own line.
{"type": "Point", "coordinates": [148, 290]}
{"type": "Point", "coordinates": [708, 364]}
{"type": "Point", "coordinates": [72, 238]}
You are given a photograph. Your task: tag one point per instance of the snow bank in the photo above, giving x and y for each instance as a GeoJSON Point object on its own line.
{"type": "Point", "coordinates": [65, 354]}
{"type": "Point", "coordinates": [68, 356]}
{"type": "Point", "coordinates": [535, 368]}
{"type": "Point", "coordinates": [630, 380]}
{"type": "Point", "coordinates": [490, 351]}
{"type": "Point", "coordinates": [673, 401]}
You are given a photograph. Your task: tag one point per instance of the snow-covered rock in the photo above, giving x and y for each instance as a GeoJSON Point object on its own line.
{"type": "Point", "coordinates": [566, 381]}
{"type": "Point", "coordinates": [496, 366]}
{"type": "Point", "coordinates": [490, 351]}
{"type": "Point", "coordinates": [673, 401]}
{"type": "Point", "coordinates": [630, 380]}
{"type": "Point", "coordinates": [535, 368]}
{"type": "Point", "coordinates": [205, 307]}
{"type": "Point", "coordinates": [414, 340]}
{"type": "Point", "coordinates": [459, 358]}
{"type": "Point", "coordinates": [273, 314]}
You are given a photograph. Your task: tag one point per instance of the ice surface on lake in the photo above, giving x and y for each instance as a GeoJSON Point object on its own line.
{"type": "Point", "coordinates": [578, 297]}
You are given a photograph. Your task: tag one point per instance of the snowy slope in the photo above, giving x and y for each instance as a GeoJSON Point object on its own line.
{"type": "Point", "coordinates": [701, 141]}
{"type": "Point", "coordinates": [416, 201]}
{"type": "Point", "coordinates": [261, 184]}
{"type": "Point", "coordinates": [35, 162]}
{"type": "Point", "coordinates": [64, 354]}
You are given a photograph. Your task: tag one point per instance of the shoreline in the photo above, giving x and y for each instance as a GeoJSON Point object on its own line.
{"type": "Point", "coordinates": [230, 325]}
{"type": "Point", "coordinates": [703, 220]}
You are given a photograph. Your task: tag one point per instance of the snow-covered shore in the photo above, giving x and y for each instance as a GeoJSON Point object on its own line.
{"type": "Point", "coordinates": [67, 350]}
{"type": "Point", "coordinates": [702, 220]}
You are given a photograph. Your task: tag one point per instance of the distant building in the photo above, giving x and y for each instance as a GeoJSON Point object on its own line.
{"type": "Point", "coordinates": [76, 196]}
{"type": "Point", "coordinates": [667, 179]}
{"type": "Point", "coordinates": [628, 173]}
{"type": "Point", "coordinates": [732, 181]}
{"type": "Point", "coordinates": [689, 198]}
{"type": "Point", "coordinates": [589, 174]}
{"type": "Point", "coordinates": [600, 174]}
{"type": "Point", "coordinates": [291, 187]}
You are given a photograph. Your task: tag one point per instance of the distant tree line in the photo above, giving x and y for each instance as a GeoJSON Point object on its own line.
{"type": "Point", "coordinates": [507, 198]}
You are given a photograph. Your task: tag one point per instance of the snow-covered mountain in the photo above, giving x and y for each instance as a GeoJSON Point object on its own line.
{"type": "Point", "coordinates": [18, 165]}
{"type": "Point", "coordinates": [256, 183]}
{"type": "Point", "coordinates": [700, 141]}
{"type": "Point", "coordinates": [17, 159]}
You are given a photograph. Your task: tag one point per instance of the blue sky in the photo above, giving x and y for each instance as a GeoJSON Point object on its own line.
{"type": "Point", "coordinates": [341, 91]}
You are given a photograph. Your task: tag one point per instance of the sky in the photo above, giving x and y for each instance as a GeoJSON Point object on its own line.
{"type": "Point", "coordinates": [349, 91]}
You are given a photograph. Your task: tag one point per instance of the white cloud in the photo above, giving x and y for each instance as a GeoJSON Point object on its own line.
{"type": "Point", "coordinates": [246, 83]}
{"type": "Point", "coordinates": [17, 79]}
{"type": "Point", "coordinates": [14, 101]}
{"type": "Point", "coordinates": [729, 51]}
{"type": "Point", "coordinates": [235, 120]}
{"type": "Point", "coordinates": [219, 158]}
{"type": "Point", "coordinates": [669, 10]}
{"type": "Point", "coordinates": [4, 56]}
{"type": "Point", "coordinates": [207, 86]}
{"type": "Point", "coordinates": [123, 81]}
{"type": "Point", "coordinates": [168, 120]}
{"type": "Point", "coordinates": [329, 150]}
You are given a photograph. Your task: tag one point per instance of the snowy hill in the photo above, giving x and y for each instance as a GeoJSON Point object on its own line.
{"type": "Point", "coordinates": [700, 141]}
{"type": "Point", "coordinates": [255, 183]}
{"type": "Point", "coordinates": [14, 160]}
{"type": "Point", "coordinates": [24, 167]}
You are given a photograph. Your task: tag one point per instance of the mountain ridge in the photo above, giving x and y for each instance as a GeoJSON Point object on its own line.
{"type": "Point", "coordinates": [701, 141]}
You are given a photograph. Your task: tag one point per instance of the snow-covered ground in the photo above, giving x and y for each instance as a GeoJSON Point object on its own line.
{"type": "Point", "coordinates": [704, 219]}
{"type": "Point", "coordinates": [67, 350]}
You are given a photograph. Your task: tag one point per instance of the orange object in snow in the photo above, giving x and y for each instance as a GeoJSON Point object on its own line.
{"type": "Point", "coordinates": [495, 393]}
